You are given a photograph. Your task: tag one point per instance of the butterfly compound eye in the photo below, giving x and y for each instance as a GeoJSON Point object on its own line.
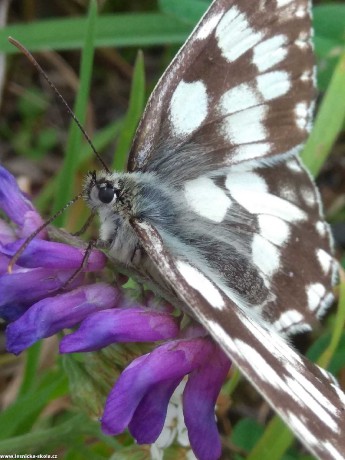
{"type": "Point", "coordinates": [106, 193]}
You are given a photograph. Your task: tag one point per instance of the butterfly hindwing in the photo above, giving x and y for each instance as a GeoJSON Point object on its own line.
{"type": "Point", "coordinates": [241, 88]}
{"type": "Point", "coordinates": [304, 395]}
{"type": "Point", "coordinates": [274, 219]}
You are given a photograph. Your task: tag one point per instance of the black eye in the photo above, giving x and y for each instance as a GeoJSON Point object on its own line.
{"type": "Point", "coordinates": [106, 193]}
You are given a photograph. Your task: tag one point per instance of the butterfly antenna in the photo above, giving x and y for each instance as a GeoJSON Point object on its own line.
{"type": "Point", "coordinates": [27, 53]}
{"type": "Point", "coordinates": [28, 240]}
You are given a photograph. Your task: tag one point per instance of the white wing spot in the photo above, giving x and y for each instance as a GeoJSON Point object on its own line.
{"type": "Point", "coordinates": [321, 228]}
{"type": "Point", "coordinates": [315, 293]}
{"type": "Point", "coordinates": [234, 34]}
{"type": "Point", "coordinates": [288, 194]}
{"type": "Point", "coordinates": [291, 321]}
{"type": "Point", "coordinates": [245, 126]}
{"type": "Point", "coordinates": [294, 166]}
{"type": "Point", "coordinates": [301, 12]}
{"type": "Point", "coordinates": [302, 115]}
{"type": "Point", "coordinates": [250, 151]}
{"type": "Point", "coordinates": [249, 181]}
{"type": "Point", "coordinates": [206, 199]}
{"type": "Point", "coordinates": [202, 284]}
{"type": "Point", "coordinates": [188, 107]}
{"type": "Point", "coordinates": [308, 196]}
{"type": "Point", "coordinates": [270, 52]}
{"type": "Point", "coordinates": [303, 40]}
{"type": "Point", "coordinates": [266, 256]}
{"type": "Point", "coordinates": [273, 229]}
{"type": "Point", "coordinates": [240, 97]}
{"type": "Point", "coordinates": [306, 76]}
{"type": "Point", "coordinates": [251, 192]}
{"type": "Point", "coordinates": [206, 29]}
{"type": "Point", "coordinates": [325, 260]}
{"type": "Point", "coordinates": [281, 3]}
{"type": "Point", "coordinates": [273, 84]}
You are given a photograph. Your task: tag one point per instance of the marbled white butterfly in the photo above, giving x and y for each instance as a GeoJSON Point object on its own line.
{"type": "Point", "coordinates": [219, 213]}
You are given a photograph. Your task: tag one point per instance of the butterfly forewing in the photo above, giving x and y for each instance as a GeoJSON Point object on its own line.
{"type": "Point", "coordinates": [241, 88]}
{"type": "Point", "coordinates": [249, 253]}
{"type": "Point", "coordinates": [304, 395]}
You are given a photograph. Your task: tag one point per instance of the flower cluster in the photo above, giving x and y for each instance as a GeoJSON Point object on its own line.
{"type": "Point", "coordinates": [37, 303]}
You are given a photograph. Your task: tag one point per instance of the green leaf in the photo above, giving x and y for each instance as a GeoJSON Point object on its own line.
{"type": "Point", "coordinates": [188, 11]}
{"type": "Point", "coordinates": [39, 440]}
{"type": "Point", "coordinates": [328, 123]}
{"type": "Point", "coordinates": [329, 21]}
{"type": "Point", "coordinates": [274, 442]}
{"type": "Point", "coordinates": [246, 433]}
{"type": "Point", "coordinates": [31, 366]}
{"type": "Point", "coordinates": [144, 29]}
{"type": "Point", "coordinates": [134, 112]}
{"type": "Point", "coordinates": [27, 407]}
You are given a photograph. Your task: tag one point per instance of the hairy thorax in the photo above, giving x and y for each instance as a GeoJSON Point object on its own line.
{"type": "Point", "coordinates": [135, 196]}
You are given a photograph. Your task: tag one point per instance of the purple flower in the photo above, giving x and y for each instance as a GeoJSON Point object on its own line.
{"type": "Point", "coordinates": [44, 267]}
{"type": "Point", "coordinates": [141, 395]}
{"type": "Point", "coordinates": [32, 301]}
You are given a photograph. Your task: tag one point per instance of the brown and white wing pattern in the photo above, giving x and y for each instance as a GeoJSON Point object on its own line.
{"type": "Point", "coordinates": [241, 87]}
{"type": "Point", "coordinates": [268, 240]}
{"type": "Point", "coordinates": [248, 253]}
{"type": "Point", "coordinates": [304, 395]}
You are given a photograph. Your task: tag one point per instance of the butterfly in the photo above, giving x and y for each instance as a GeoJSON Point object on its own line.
{"type": "Point", "coordinates": [219, 214]}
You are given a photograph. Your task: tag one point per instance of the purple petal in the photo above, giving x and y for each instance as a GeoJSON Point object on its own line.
{"type": "Point", "coordinates": [32, 221]}
{"type": "Point", "coordinates": [12, 313]}
{"type": "Point", "coordinates": [120, 325]}
{"type": "Point", "coordinates": [149, 417]}
{"type": "Point", "coordinates": [50, 254]}
{"type": "Point", "coordinates": [27, 286]}
{"type": "Point", "coordinates": [199, 399]}
{"type": "Point", "coordinates": [12, 200]}
{"type": "Point", "coordinates": [167, 362]}
{"type": "Point", "coordinates": [6, 233]}
{"type": "Point", "coordinates": [50, 315]}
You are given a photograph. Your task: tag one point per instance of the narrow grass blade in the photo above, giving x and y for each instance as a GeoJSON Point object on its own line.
{"type": "Point", "coordinates": [274, 442]}
{"type": "Point", "coordinates": [145, 29]}
{"type": "Point", "coordinates": [63, 434]}
{"type": "Point", "coordinates": [328, 123]}
{"type": "Point", "coordinates": [338, 330]}
{"type": "Point", "coordinates": [31, 366]}
{"type": "Point", "coordinates": [26, 408]}
{"type": "Point", "coordinates": [75, 137]}
{"type": "Point", "coordinates": [134, 112]}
